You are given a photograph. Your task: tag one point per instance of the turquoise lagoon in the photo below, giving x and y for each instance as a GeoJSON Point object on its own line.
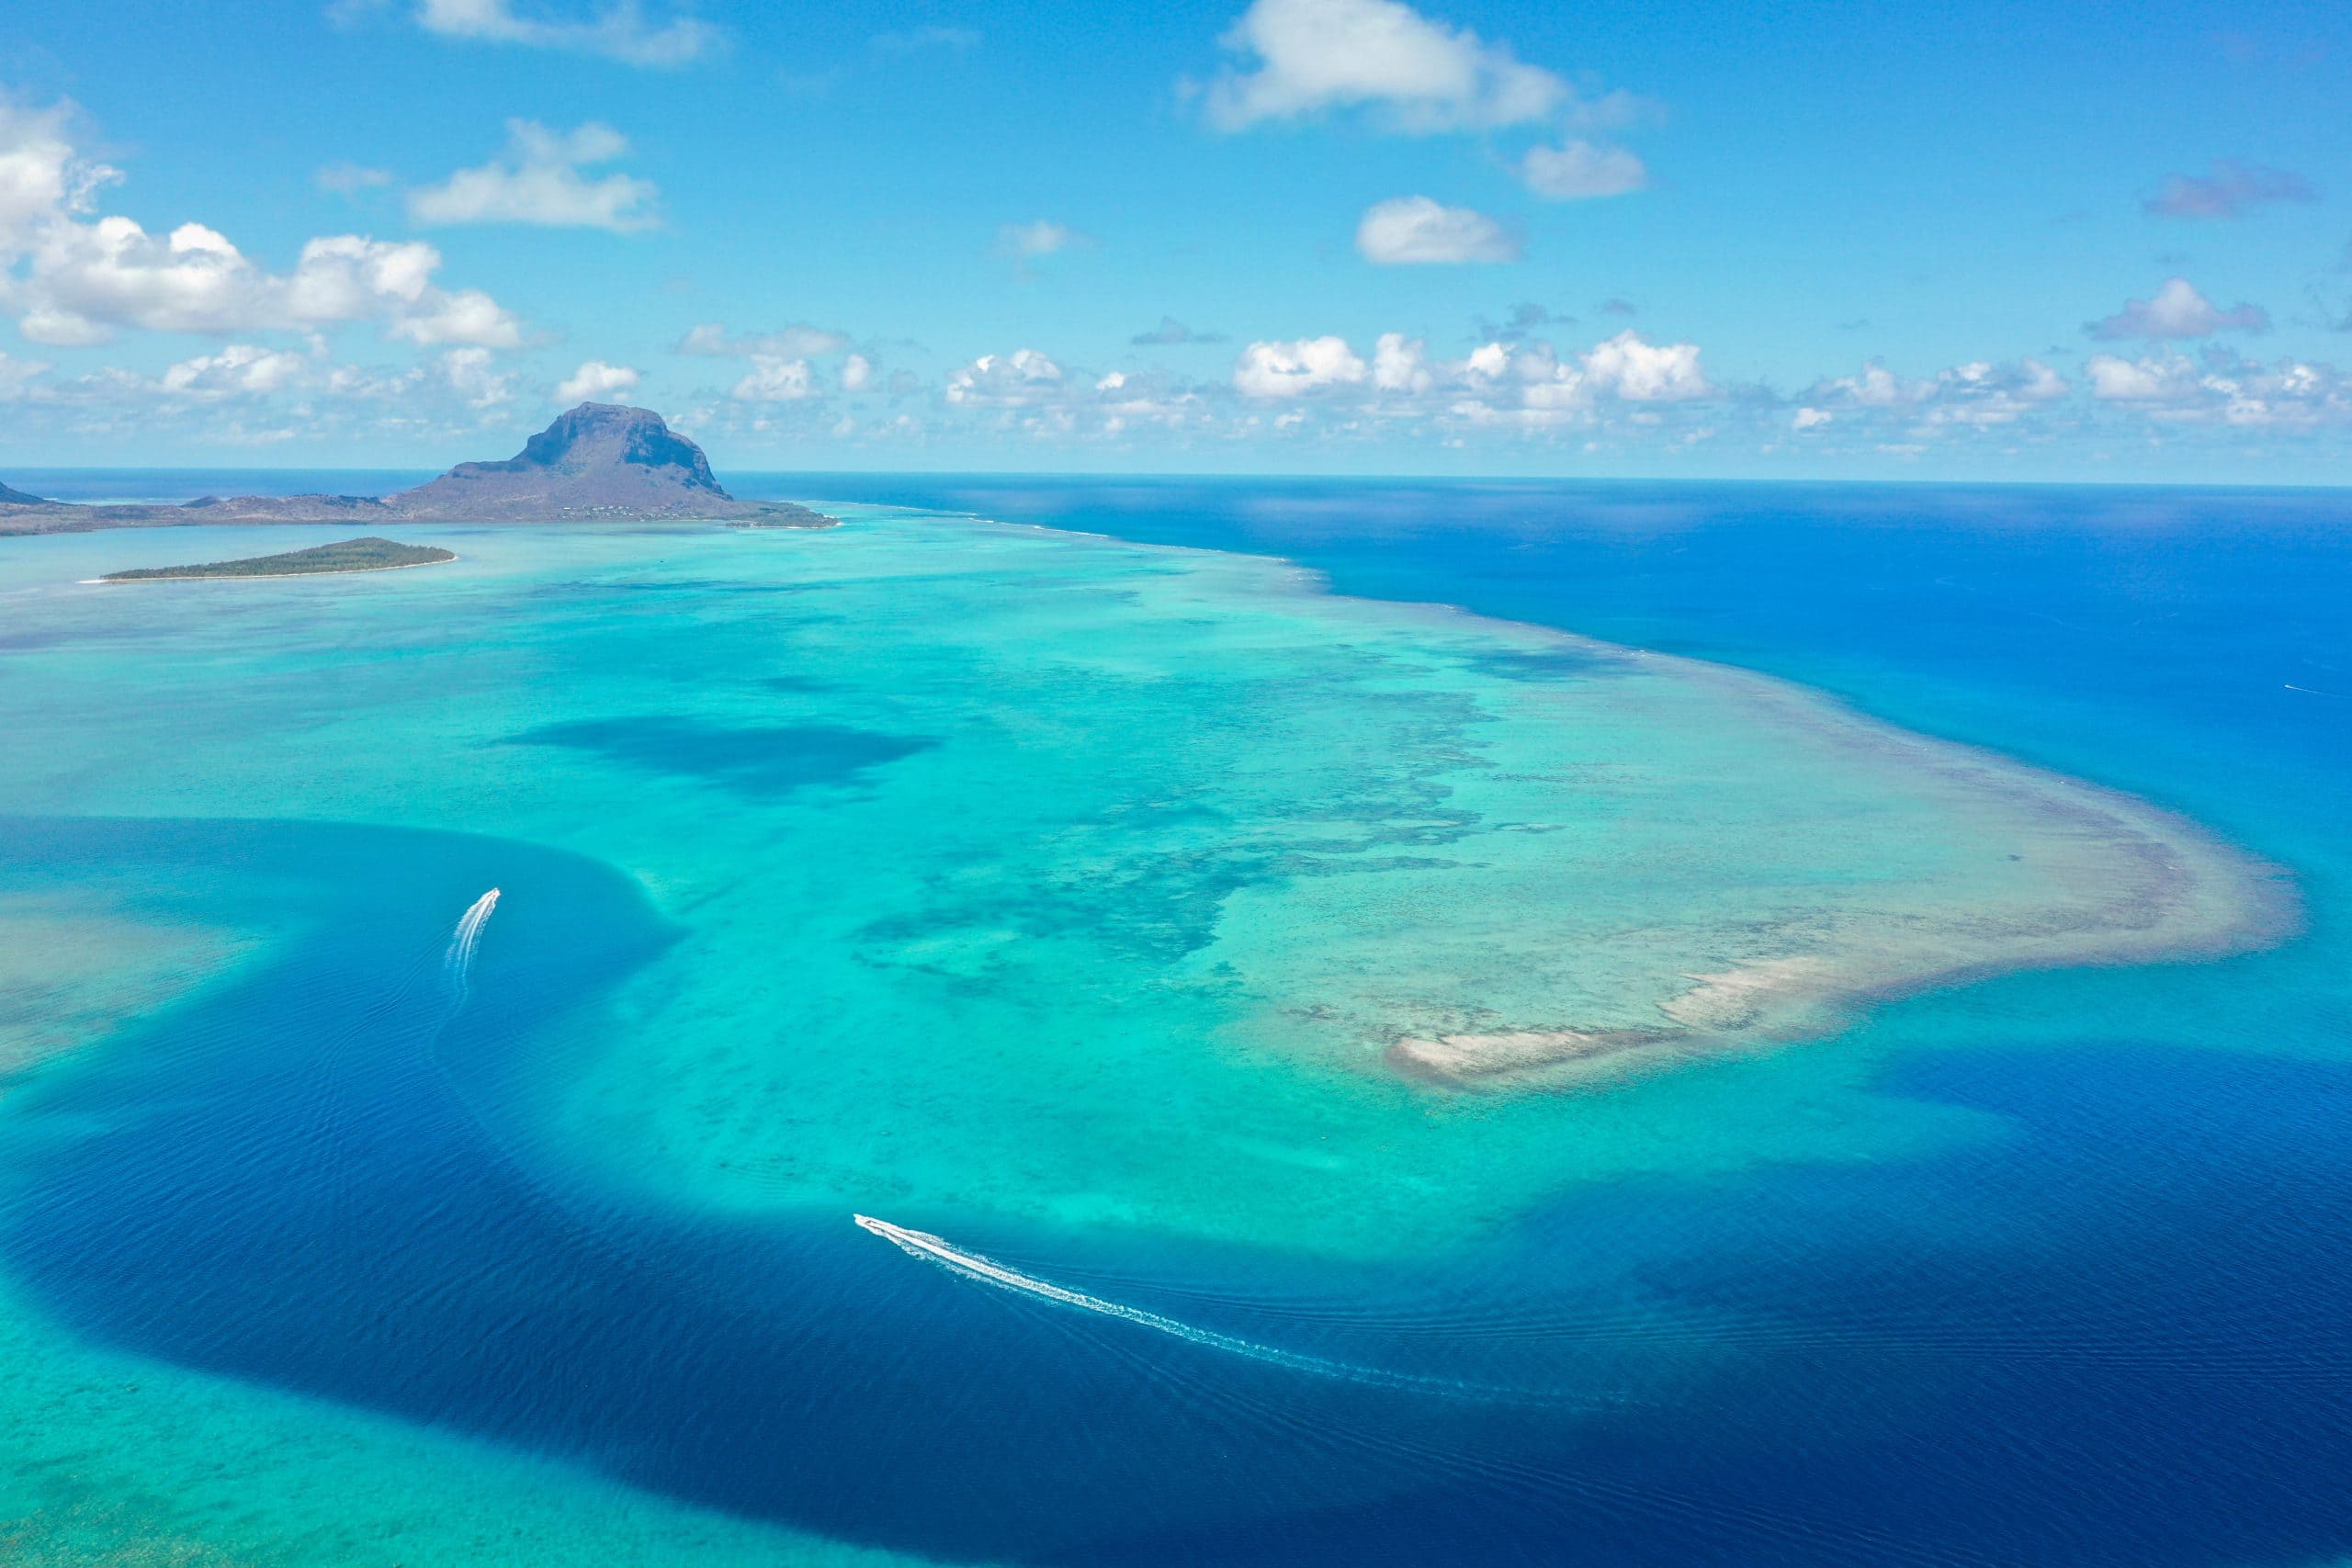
{"type": "Point", "coordinates": [1391, 990]}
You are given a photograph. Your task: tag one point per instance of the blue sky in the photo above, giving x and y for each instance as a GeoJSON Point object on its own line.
{"type": "Point", "coordinates": [1995, 239]}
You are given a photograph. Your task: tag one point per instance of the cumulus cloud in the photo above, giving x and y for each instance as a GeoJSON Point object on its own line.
{"type": "Point", "coordinates": [773, 379]}
{"type": "Point", "coordinates": [2223, 389]}
{"type": "Point", "coordinates": [1811, 419]}
{"type": "Point", "coordinates": [1293, 368]}
{"type": "Point", "coordinates": [1630, 367]}
{"type": "Point", "coordinates": [1874, 387]}
{"type": "Point", "coordinates": [1528, 382]}
{"type": "Point", "coordinates": [1400, 363]}
{"type": "Point", "coordinates": [539, 180]}
{"type": "Point", "coordinates": [1532, 384]}
{"type": "Point", "coordinates": [87, 280]}
{"type": "Point", "coordinates": [470, 375]}
{"type": "Point", "coordinates": [2227, 191]}
{"type": "Point", "coordinates": [1024, 375]}
{"type": "Point", "coordinates": [71, 278]}
{"type": "Point", "coordinates": [595, 381]}
{"type": "Point", "coordinates": [2177, 310]}
{"type": "Point", "coordinates": [2289, 394]}
{"type": "Point", "coordinates": [780, 370]}
{"type": "Point", "coordinates": [621, 31]}
{"type": "Point", "coordinates": [1982, 394]}
{"type": "Point", "coordinates": [1416, 229]}
{"type": "Point", "coordinates": [42, 178]}
{"type": "Point", "coordinates": [1580, 170]}
{"type": "Point", "coordinates": [1979, 393]}
{"type": "Point", "coordinates": [797, 341]}
{"type": "Point", "coordinates": [1297, 58]}
{"type": "Point", "coordinates": [2159, 378]}
{"type": "Point", "coordinates": [240, 368]}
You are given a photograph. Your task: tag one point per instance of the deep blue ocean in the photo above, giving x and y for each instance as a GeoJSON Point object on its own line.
{"type": "Point", "coordinates": [2120, 1332]}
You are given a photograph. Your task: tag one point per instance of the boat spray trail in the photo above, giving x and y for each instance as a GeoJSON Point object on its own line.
{"type": "Point", "coordinates": [988, 1271]}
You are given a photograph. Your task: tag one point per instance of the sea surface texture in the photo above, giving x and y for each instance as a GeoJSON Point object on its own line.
{"type": "Point", "coordinates": [1152, 1022]}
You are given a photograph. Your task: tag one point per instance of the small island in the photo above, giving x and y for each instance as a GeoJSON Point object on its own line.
{"type": "Point", "coordinates": [346, 555]}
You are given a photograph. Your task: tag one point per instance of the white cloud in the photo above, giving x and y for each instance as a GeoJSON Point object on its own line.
{"type": "Point", "coordinates": [1416, 230]}
{"type": "Point", "coordinates": [42, 180]}
{"type": "Point", "coordinates": [1875, 387]}
{"type": "Point", "coordinates": [240, 368]}
{"type": "Point", "coordinates": [1629, 366]}
{"type": "Point", "coordinates": [597, 381]}
{"type": "Point", "coordinates": [2223, 389]}
{"type": "Point", "coordinates": [86, 278]}
{"type": "Point", "coordinates": [2159, 378]}
{"type": "Point", "coordinates": [2227, 192]}
{"type": "Point", "coordinates": [1977, 393]}
{"type": "Point", "coordinates": [539, 180]}
{"type": "Point", "coordinates": [857, 373]}
{"type": "Point", "coordinates": [1580, 170]}
{"type": "Point", "coordinates": [17, 377]}
{"type": "Point", "coordinates": [1305, 57]}
{"type": "Point", "coordinates": [2289, 394]}
{"type": "Point", "coordinates": [796, 341]}
{"type": "Point", "coordinates": [1400, 363]}
{"type": "Point", "coordinates": [773, 379]}
{"type": "Point", "coordinates": [54, 328]}
{"type": "Point", "coordinates": [1024, 375]}
{"type": "Point", "coordinates": [1278, 369]}
{"type": "Point", "coordinates": [1811, 419]}
{"type": "Point", "coordinates": [1982, 393]}
{"type": "Point", "coordinates": [1529, 383]}
{"type": "Point", "coordinates": [471, 374]}
{"type": "Point", "coordinates": [1489, 362]}
{"type": "Point", "coordinates": [73, 279]}
{"type": "Point", "coordinates": [2177, 310]}
{"type": "Point", "coordinates": [620, 32]}
{"type": "Point", "coordinates": [2039, 383]}
{"type": "Point", "coordinates": [468, 373]}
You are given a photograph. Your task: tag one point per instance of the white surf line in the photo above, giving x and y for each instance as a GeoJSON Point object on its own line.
{"type": "Point", "coordinates": [2310, 691]}
{"type": "Point", "coordinates": [460, 959]}
{"type": "Point", "coordinates": [974, 1266]}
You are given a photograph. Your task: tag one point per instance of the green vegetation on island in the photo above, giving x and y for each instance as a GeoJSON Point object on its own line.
{"type": "Point", "coordinates": [346, 555]}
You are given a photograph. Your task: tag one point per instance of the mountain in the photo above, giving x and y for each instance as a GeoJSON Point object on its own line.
{"type": "Point", "coordinates": [598, 460]}
{"type": "Point", "coordinates": [597, 463]}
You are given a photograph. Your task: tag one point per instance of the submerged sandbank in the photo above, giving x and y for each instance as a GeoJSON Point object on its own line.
{"type": "Point", "coordinates": [2102, 879]}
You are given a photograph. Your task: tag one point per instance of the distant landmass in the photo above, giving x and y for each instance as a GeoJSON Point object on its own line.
{"type": "Point", "coordinates": [344, 555]}
{"type": "Point", "coordinates": [597, 463]}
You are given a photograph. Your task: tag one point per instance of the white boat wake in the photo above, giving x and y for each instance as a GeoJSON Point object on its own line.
{"type": "Point", "coordinates": [974, 1266]}
{"type": "Point", "coordinates": [460, 960]}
